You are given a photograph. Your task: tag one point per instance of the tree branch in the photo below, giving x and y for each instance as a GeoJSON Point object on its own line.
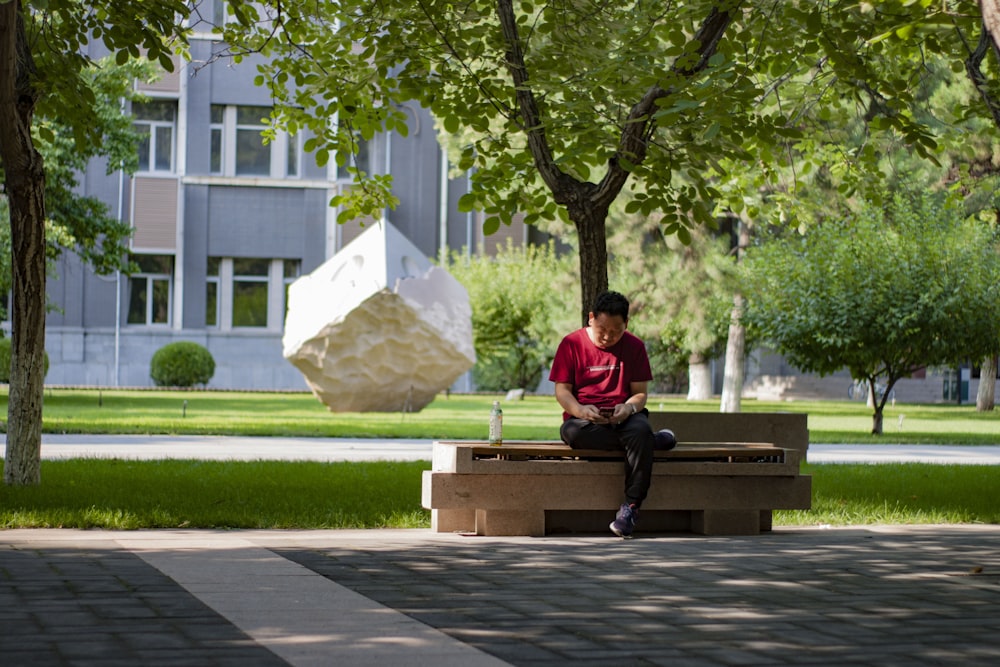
{"type": "Point", "coordinates": [641, 122]}
{"type": "Point", "coordinates": [556, 179]}
{"type": "Point", "coordinates": [973, 66]}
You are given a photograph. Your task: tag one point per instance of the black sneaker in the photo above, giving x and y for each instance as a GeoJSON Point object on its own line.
{"type": "Point", "coordinates": [624, 521]}
{"type": "Point", "coordinates": [664, 440]}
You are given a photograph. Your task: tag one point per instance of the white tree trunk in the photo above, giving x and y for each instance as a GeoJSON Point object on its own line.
{"type": "Point", "coordinates": [732, 383]}
{"type": "Point", "coordinates": [699, 378]}
{"type": "Point", "coordinates": [734, 374]}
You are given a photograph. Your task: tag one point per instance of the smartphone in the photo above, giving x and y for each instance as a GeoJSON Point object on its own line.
{"type": "Point", "coordinates": [607, 411]}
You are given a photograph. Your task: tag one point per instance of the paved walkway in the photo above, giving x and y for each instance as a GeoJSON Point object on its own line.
{"type": "Point", "coordinates": [924, 595]}
{"type": "Point", "coordinates": [355, 449]}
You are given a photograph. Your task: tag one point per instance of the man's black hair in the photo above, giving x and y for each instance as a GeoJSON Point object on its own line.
{"type": "Point", "coordinates": [611, 303]}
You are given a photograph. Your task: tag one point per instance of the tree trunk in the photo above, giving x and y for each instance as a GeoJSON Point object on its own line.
{"type": "Point", "coordinates": [732, 382]}
{"type": "Point", "coordinates": [879, 403]}
{"type": "Point", "coordinates": [733, 376]}
{"type": "Point", "coordinates": [25, 189]}
{"type": "Point", "coordinates": [985, 397]}
{"type": "Point", "coordinates": [699, 378]}
{"type": "Point", "coordinates": [877, 422]}
{"type": "Point", "coordinates": [591, 230]}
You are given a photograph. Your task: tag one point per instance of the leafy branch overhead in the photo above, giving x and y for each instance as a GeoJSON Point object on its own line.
{"type": "Point", "coordinates": [696, 107]}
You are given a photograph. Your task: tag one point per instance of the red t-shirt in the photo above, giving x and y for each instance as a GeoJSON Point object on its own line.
{"type": "Point", "coordinates": [600, 377]}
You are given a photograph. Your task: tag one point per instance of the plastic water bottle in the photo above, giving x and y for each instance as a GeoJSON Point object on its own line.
{"type": "Point", "coordinates": [496, 425]}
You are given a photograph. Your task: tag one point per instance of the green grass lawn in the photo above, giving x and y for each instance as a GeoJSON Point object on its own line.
{"type": "Point", "coordinates": [116, 494]}
{"type": "Point", "coordinates": [461, 416]}
{"type": "Point", "coordinates": [86, 493]}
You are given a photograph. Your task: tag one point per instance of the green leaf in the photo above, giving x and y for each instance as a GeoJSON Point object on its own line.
{"type": "Point", "coordinates": [166, 62]}
{"type": "Point", "coordinates": [467, 202]}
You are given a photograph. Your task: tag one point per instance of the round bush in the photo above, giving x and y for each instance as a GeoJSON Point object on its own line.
{"type": "Point", "coordinates": [5, 359]}
{"type": "Point", "coordinates": [181, 364]}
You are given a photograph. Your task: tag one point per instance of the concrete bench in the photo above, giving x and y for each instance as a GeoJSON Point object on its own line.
{"type": "Point", "coordinates": [714, 487]}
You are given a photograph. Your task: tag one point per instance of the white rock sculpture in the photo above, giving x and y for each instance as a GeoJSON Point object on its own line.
{"type": "Point", "coordinates": [378, 328]}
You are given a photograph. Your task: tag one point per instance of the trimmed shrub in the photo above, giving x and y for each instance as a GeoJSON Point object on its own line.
{"type": "Point", "coordinates": [181, 364]}
{"type": "Point", "coordinates": [5, 359]}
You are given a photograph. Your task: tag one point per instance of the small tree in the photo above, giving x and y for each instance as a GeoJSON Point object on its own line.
{"type": "Point", "coordinates": [882, 293]}
{"type": "Point", "coordinates": [522, 304]}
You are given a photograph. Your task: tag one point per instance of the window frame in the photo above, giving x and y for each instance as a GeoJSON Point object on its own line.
{"type": "Point", "coordinates": [284, 151]}
{"type": "Point", "coordinates": [149, 130]}
{"type": "Point", "coordinates": [279, 273]}
{"type": "Point", "coordinates": [149, 279]}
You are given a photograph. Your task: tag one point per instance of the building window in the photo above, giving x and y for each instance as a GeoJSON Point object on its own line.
{"type": "Point", "coordinates": [292, 268]}
{"type": "Point", "coordinates": [250, 286]}
{"type": "Point", "coordinates": [253, 156]}
{"type": "Point", "coordinates": [154, 123]}
{"type": "Point", "coordinates": [237, 146]}
{"type": "Point", "coordinates": [292, 153]}
{"type": "Point", "coordinates": [149, 290]}
{"type": "Point", "coordinates": [248, 293]}
{"type": "Point", "coordinates": [212, 293]}
{"type": "Point", "coordinates": [217, 131]}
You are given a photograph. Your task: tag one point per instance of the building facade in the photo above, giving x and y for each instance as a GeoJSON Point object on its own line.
{"type": "Point", "coordinates": [223, 223]}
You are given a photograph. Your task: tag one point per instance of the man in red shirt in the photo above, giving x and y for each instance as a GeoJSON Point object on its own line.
{"type": "Point", "coordinates": [601, 374]}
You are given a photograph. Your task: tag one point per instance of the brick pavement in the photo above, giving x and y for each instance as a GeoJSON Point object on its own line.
{"type": "Point", "coordinates": [894, 595]}
{"type": "Point", "coordinates": [90, 602]}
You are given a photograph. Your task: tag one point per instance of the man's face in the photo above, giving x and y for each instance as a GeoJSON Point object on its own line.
{"type": "Point", "coordinates": [606, 330]}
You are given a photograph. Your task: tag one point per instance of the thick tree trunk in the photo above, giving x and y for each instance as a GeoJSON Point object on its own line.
{"type": "Point", "coordinates": [985, 397]}
{"type": "Point", "coordinates": [25, 189]}
{"type": "Point", "coordinates": [699, 378]}
{"type": "Point", "coordinates": [591, 230]}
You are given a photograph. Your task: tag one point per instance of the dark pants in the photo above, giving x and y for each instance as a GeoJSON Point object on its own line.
{"type": "Point", "coordinates": [633, 436]}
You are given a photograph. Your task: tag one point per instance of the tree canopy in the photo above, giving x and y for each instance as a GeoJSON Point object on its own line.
{"type": "Point", "coordinates": [693, 106]}
{"type": "Point", "coordinates": [883, 292]}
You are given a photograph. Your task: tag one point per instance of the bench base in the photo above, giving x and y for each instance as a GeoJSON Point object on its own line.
{"type": "Point", "coordinates": [537, 523]}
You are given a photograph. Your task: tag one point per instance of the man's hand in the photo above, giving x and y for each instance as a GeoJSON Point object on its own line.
{"type": "Point", "coordinates": [618, 414]}
{"type": "Point", "coordinates": [622, 412]}
{"type": "Point", "coordinates": [592, 413]}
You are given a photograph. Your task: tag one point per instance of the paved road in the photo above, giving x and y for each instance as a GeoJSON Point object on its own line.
{"type": "Point", "coordinates": [354, 449]}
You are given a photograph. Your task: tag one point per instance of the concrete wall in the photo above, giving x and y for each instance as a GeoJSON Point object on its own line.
{"type": "Point", "coordinates": [243, 360]}
{"type": "Point", "coordinates": [813, 387]}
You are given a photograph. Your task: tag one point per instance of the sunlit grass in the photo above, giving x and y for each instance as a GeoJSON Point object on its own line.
{"type": "Point", "coordinates": [117, 494]}
{"type": "Point", "coordinates": [126, 495]}
{"type": "Point", "coordinates": [898, 493]}
{"type": "Point", "coordinates": [460, 416]}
